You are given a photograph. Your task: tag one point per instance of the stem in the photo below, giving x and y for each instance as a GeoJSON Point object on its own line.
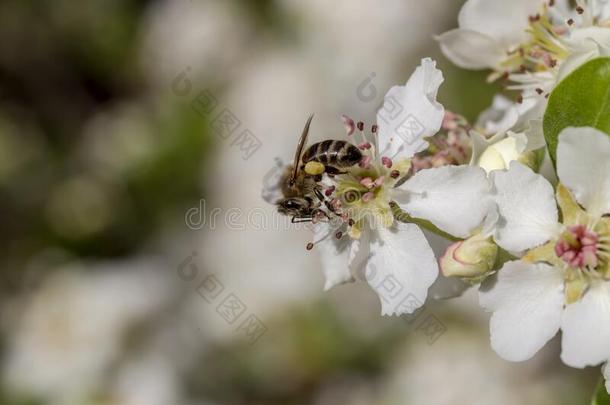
{"type": "Point", "coordinates": [402, 216]}
{"type": "Point", "coordinates": [502, 257]}
{"type": "Point", "coordinates": [601, 396]}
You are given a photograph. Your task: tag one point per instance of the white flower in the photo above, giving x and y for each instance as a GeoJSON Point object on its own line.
{"type": "Point", "coordinates": [563, 280]}
{"type": "Point", "coordinates": [530, 42]}
{"type": "Point", "coordinates": [395, 258]}
{"type": "Point", "coordinates": [488, 29]}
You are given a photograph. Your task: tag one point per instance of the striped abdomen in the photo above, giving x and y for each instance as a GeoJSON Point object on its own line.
{"type": "Point", "coordinates": [333, 153]}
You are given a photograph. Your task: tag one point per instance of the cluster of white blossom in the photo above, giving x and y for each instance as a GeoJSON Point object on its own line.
{"type": "Point", "coordinates": [530, 221]}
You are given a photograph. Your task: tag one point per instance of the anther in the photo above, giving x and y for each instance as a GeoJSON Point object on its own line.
{"type": "Point", "coordinates": [570, 21]}
{"type": "Point", "coordinates": [580, 10]}
{"type": "Point", "coordinates": [374, 128]}
{"type": "Point", "coordinates": [349, 124]}
{"type": "Point", "coordinates": [338, 235]}
{"type": "Point", "coordinates": [394, 174]}
{"type": "Point", "coordinates": [360, 125]}
{"type": "Point", "coordinates": [539, 90]}
{"type": "Point", "coordinates": [309, 246]}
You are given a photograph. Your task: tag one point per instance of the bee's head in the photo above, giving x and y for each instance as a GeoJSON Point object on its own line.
{"type": "Point", "coordinates": [293, 206]}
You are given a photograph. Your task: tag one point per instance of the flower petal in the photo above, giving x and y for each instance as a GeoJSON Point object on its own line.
{"type": "Point", "coordinates": [504, 21]}
{"type": "Point", "coordinates": [401, 268]}
{"type": "Point", "coordinates": [272, 182]}
{"type": "Point", "coordinates": [501, 116]}
{"type": "Point", "coordinates": [359, 253]}
{"type": "Point", "coordinates": [583, 165]}
{"type": "Point", "coordinates": [454, 198]}
{"type": "Point", "coordinates": [470, 49]}
{"type": "Point", "coordinates": [410, 113]}
{"type": "Point", "coordinates": [586, 328]}
{"type": "Point", "coordinates": [527, 301]}
{"type": "Point", "coordinates": [606, 372]}
{"type": "Point", "coordinates": [333, 254]}
{"type": "Point", "coordinates": [526, 204]}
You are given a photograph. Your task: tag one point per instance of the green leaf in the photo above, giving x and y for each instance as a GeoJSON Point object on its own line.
{"type": "Point", "coordinates": [601, 396]}
{"type": "Point", "coordinates": [582, 99]}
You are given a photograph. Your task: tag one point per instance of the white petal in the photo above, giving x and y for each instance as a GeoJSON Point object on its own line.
{"type": "Point", "coordinates": [583, 165]}
{"type": "Point", "coordinates": [505, 21]}
{"type": "Point", "coordinates": [470, 49]}
{"type": "Point", "coordinates": [454, 198]}
{"type": "Point", "coordinates": [272, 182]}
{"type": "Point", "coordinates": [333, 254]}
{"type": "Point", "coordinates": [526, 204]}
{"type": "Point", "coordinates": [401, 268]}
{"type": "Point", "coordinates": [535, 135]}
{"type": "Point", "coordinates": [527, 301]}
{"type": "Point", "coordinates": [359, 253]}
{"type": "Point", "coordinates": [410, 113]}
{"type": "Point", "coordinates": [606, 371]}
{"type": "Point", "coordinates": [586, 328]}
{"type": "Point", "coordinates": [500, 117]}
{"type": "Point", "coordinates": [584, 44]}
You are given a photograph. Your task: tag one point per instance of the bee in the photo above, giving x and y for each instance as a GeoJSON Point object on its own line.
{"type": "Point", "coordinates": [300, 186]}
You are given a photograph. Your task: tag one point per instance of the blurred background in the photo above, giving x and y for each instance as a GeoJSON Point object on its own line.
{"type": "Point", "coordinates": [139, 264]}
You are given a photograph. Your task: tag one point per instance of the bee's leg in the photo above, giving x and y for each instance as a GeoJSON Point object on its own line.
{"type": "Point", "coordinates": [298, 220]}
{"type": "Point", "coordinates": [321, 211]}
{"type": "Point", "coordinates": [333, 171]}
{"type": "Point", "coordinates": [324, 200]}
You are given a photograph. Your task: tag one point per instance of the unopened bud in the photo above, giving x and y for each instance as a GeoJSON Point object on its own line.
{"type": "Point", "coordinates": [470, 258]}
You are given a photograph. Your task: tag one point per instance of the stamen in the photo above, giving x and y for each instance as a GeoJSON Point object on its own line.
{"type": "Point", "coordinates": [386, 161]}
{"type": "Point", "coordinates": [578, 246]}
{"type": "Point", "coordinates": [309, 246]}
{"type": "Point", "coordinates": [368, 197]}
{"type": "Point", "coordinates": [350, 127]}
{"type": "Point", "coordinates": [367, 182]}
{"type": "Point", "coordinates": [365, 162]}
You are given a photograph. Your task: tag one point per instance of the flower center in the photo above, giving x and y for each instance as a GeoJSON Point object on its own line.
{"type": "Point", "coordinates": [363, 192]}
{"type": "Point", "coordinates": [578, 247]}
{"type": "Point", "coordinates": [543, 50]}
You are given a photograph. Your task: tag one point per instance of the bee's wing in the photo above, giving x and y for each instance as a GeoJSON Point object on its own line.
{"type": "Point", "coordinates": [302, 142]}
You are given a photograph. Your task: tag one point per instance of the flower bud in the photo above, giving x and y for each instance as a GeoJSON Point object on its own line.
{"type": "Point", "coordinates": [499, 155]}
{"type": "Point", "coordinates": [470, 258]}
